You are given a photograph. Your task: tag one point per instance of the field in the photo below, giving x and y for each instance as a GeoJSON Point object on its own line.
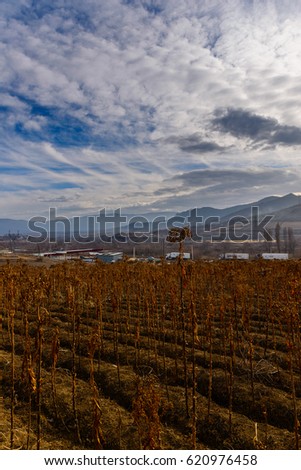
{"type": "Point", "coordinates": [139, 356]}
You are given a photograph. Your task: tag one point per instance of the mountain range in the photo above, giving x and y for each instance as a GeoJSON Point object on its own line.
{"type": "Point", "coordinates": [284, 209]}
{"type": "Point", "coordinates": [278, 206]}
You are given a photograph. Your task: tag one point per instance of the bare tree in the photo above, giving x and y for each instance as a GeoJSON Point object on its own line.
{"type": "Point", "coordinates": [291, 241]}
{"type": "Point", "coordinates": [277, 236]}
{"type": "Point", "coordinates": [285, 239]}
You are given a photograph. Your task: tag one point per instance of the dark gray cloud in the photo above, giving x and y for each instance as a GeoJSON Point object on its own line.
{"type": "Point", "coordinates": [229, 179]}
{"type": "Point", "coordinates": [201, 147]}
{"type": "Point", "coordinates": [194, 144]}
{"type": "Point", "coordinates": [226, 182]}
{"type": "Point", "coordinates": [259, 129]}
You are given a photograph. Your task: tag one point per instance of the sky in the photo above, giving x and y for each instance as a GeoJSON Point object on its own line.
{"type": "Point", "coordinates": [147, 105]}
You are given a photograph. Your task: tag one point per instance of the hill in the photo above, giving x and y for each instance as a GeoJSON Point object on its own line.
{"type": "Point", "coordinates": [284, 209]}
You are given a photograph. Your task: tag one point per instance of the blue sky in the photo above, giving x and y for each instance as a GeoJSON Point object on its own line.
{"type": "Point", "coordinates": [147, 104]}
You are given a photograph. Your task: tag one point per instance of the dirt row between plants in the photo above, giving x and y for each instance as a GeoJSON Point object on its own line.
{"type": "Point", "coordinates": [117, 423]}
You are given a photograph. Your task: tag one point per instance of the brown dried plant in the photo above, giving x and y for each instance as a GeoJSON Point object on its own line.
{"type": "Point", "coordinates": [146, 405]}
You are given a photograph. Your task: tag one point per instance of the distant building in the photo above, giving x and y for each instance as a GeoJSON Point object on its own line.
{"type": "Point", "coordinates": [176, 254]}
{"type": "Point", "coordinates": [86, 259]}
{"type": "Point", "coordinates": [274, 255]}
{"type": "Point", "coordinates": [234, 256]}
{"type": "Point", "coordinates": [110, 257]}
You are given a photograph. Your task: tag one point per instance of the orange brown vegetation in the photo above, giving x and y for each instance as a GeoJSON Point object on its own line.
{"type": "Point", "coordinates": [130, 356]}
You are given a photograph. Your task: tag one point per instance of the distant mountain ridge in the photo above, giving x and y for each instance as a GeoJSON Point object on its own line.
{"type": "Point", "coordinates": [269, 205]}
{"type": "Point", "coordinates": [285, 209]}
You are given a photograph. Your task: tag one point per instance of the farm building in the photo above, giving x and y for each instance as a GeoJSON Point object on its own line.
{"type": "Point", "coordinates": [110, 257]}
{"type": "Point", "coordinates": [176, 254]}
{"type": "Point", "coordinates": [234, 256]}
{"type": "Point", "coordinates": [274, 256]}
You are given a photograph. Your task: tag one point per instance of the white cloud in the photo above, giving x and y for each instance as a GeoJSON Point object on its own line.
{"type": "Point", "coordinates": [93, 94]}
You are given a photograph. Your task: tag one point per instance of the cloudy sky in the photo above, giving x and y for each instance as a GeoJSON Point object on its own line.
{"type": "Point", "coordinates": [147, 104]}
